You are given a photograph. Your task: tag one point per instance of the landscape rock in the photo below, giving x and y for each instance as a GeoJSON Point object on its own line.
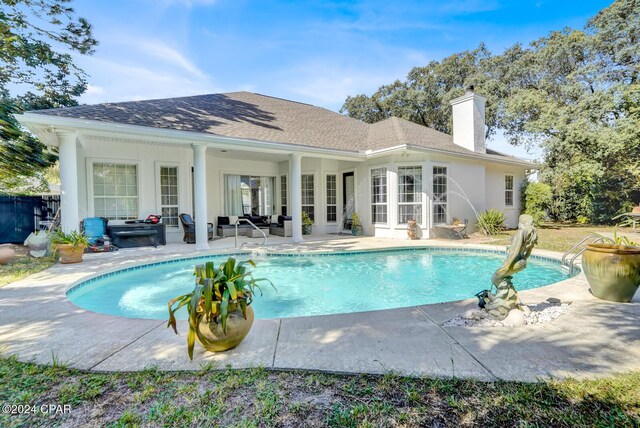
{"type": "Point", "coordinates": [515, 318]}
{"type": "Point", "coordinates": [543, 312]}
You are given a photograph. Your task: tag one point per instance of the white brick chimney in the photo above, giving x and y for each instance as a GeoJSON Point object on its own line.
{"type": "Point", "coordinates": [468, 121]}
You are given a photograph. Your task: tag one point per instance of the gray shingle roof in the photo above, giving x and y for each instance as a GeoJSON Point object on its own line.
{"type": "Point", "coordinates": [247, 115]}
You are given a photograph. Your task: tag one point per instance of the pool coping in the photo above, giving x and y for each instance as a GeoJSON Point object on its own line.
{"type": "Point", "coordinates": [594, 339]}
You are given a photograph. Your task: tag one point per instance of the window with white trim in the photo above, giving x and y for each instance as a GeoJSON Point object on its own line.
{"type": "Point", "coordinates": [332, 198]}
{"type": "Point", "coordinates": [440, 203]}
{"type": "Point", "coordinates": [115, 191]}
{"type": "Point", "coordinates": [379, 195]}
{"type": "Point", "coordinates": [409, 194]}
{"type": "Point", "coordinates": [508, 190]}
{"type": "Point", "coordinates": [283, 195]}
{"type": "Point", "coordinates": [308, 196]}
{"type": "Point", "coordinates": [169, 206]}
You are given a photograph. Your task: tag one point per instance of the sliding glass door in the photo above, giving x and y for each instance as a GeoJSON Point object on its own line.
{"type": "Point", "coordinates": [249, 195]}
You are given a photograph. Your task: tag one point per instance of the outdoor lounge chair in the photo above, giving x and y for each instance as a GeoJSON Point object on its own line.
{"type": "Point", "coordinates": [190, 229]}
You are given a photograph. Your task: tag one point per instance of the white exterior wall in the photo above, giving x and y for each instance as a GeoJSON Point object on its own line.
{"type": "Point", "coordinates": [472, 186]}
{"type": "Point", "coordinates": [495, 185]}
{"type": "Point", "coordinates": [148, 158]}
{"type": "Point", "coordinates": [482, 184]}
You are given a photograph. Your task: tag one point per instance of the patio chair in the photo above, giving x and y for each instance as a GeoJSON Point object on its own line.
{"type": "Point", "coordinates": [190, 229]}
{"type": "Point", "coordinates": [94, 228]}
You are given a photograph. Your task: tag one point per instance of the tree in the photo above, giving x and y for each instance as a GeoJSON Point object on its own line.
{"type": "Point", "coordinates": [574, 92]}
{"type": "Point", "coordinates": [424, 96]}
{"type": "Point", "coordinates": [36, 72]}
{"type": "Point", "coordinates": [537, 198]}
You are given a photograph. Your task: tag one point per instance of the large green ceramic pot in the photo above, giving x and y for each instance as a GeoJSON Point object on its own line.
{"type": "Point", "coordinates": [613, 271]}
{"type": "Point", "coordinates": [306, 229]}
{"type": "Point", "coordinates": [212, 338]}
{"type": "Point", "coordinates": [356, 230]}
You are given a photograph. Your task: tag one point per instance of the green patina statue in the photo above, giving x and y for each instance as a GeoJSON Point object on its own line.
{"type": "Point", "coordinates": [505, 298]}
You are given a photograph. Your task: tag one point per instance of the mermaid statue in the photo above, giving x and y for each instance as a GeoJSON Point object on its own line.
{"type": "Point", "coordinates": [505, 298]}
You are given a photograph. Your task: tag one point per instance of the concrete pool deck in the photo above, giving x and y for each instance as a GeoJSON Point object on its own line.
{"type": "Point", "coordinates": [593, 339]}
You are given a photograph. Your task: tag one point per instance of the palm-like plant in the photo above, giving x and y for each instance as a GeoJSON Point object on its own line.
{"type": "Point", "coordinates": [217, 292]}
{"type": "Point", "coordinates": [490, 222]}
{"type": "Point", "coordinates": [74, 238]}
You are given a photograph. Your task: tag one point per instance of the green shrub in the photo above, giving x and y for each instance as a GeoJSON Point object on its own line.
{"type": "Point", "coordinates": [582, 219]}
{"type": "Point", "coordinates": [537, 200]}
{"type": "Point", "coordinates": [490, 222]}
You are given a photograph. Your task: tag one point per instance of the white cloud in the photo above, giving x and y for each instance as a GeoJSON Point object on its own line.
{"type": "Point", "coordinates": [127, 82]}
{"type": "Point", "coordinates": [163, 51]}
{"type": "Point", "coordinates": [327, 84]}
{"type": "Point", "coordinates": [95, 90]}
{"type": "Point", "coordinates": [129, 67]}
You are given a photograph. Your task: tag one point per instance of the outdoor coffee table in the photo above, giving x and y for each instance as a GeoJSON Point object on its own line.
{"type": "Point", "coordinates": [452, 230]}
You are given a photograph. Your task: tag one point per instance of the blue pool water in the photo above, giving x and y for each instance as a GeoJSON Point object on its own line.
{"type": "Point", "coordinates": [320, 284]}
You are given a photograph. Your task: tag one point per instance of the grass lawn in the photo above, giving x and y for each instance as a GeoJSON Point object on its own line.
{"type": "Point", "coordinates": [260, 398]}
{"type": "Point", "coordinates": [23, 266]}
{"type": "Point", "coordinates": [555, 236]}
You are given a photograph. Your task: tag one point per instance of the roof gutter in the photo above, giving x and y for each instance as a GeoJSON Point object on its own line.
{"type": "Point", "coordinates": [478, 156]}
{"type": "Point", "coordinates": [173, 136]}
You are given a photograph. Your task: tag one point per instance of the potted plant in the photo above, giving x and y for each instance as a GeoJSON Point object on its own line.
{"type": "Point", "coordinates": [356, 226]}
{"type": "Point", "coordinates": [220, 315]}
{"type": "Point", "coordinates": [613, 269]}
{"type": "Point", "coordinates": [70, 245]}
{"type": "Point", "coordinates": [307, 224]}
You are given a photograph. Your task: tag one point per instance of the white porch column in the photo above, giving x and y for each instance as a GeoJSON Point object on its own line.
{"type": "Point", "coordinates": [200, 195]}
{"type": "Point", "coordinates": [68, 158]}
{"type": "Point", "coordinates": [295, 172]}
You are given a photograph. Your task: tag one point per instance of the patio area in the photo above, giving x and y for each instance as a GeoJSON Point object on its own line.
{"type": "Point", "coordinates": [594, 339]}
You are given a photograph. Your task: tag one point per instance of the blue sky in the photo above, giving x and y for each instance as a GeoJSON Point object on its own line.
{"type": "Point", "coordinates": [317, 52]}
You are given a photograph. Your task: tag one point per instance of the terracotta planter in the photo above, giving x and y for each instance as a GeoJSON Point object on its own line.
{"type": "Point", "coordinates": [306, 229]}
{"type": "Point", "coordinates": [356, 230]}
{"type": "Point", "coordinates": [70, 254]}
{"type": "Point", "coordinates": [6, 255]}
{"type": "Point", "coordinates": [212, 338]}
{"type": "Point", "coordinates": [412, 229]}
{"type": "Point", "coordinates": [613, 271]}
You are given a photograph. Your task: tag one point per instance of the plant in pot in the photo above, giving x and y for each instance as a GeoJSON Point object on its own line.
{"type": "Point", "coordinates": [613, 269]}
{"type": "Point", "coordinates": [307, 224]}
{"type": "Point", "coordinates": [220, 315]}
{"type": "Point", "coordinates": [356, 226]}
{"type": "Point", "coordinates": [70, 246]}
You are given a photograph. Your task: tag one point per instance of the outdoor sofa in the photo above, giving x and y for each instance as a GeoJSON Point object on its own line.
{"type": "Point", "coordinates": [227, 225]}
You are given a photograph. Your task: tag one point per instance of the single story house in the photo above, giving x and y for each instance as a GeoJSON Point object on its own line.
{"type": "Point", "coordinates": [245, 153]}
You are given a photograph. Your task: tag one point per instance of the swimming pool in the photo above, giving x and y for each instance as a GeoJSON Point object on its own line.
{"type": "Point", "coordinates": [317, 284]}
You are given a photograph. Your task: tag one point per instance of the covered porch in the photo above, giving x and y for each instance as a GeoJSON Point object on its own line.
{"type": "Point", "coordinates": [129, 178]}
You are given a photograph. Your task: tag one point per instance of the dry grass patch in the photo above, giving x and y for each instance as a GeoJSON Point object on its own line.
{"type": "Point", "coordinates": [552, 236]}
{"type": "Point", "coordinates": [22, 266]}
